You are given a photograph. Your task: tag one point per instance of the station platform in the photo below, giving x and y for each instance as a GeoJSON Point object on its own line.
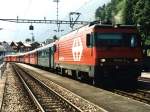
{"type": "Point", "coordinates": [105, 99]}
{"type": "Point", "coordinates": [2, 86]}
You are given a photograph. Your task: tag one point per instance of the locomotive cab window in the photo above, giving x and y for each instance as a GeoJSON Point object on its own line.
{"type": "Point", "coordinates": [116, 40]}
{"type": "Point", "coordinates": [89, 40]}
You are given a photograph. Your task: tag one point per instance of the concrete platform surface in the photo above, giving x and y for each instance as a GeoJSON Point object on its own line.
{"type": "Point", "coordinates": [2, 87]}
{"type": "Point", "coordinates": [105, 99]}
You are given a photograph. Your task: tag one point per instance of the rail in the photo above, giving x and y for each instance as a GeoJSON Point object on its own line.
{"type": "Point", "coordinates": [140, 95]}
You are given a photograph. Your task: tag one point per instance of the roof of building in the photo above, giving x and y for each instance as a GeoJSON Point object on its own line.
{"type": "Point", "coordinates": [27, 45]}
{"type": "Point", "coordinates": [13, 43]}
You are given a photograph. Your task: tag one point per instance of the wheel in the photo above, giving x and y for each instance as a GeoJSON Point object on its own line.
{"type": "Point", "coordinates": [93, 82]}
{"type": "Point", "coordinates": [74, 74]}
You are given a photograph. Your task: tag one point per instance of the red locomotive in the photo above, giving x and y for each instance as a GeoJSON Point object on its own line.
{"type": "Point", "coordinates": [101, 52]}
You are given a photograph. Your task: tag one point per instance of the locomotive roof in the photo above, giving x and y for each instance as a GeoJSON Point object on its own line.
{"type": "Point", "coordinates": [115, 26]}
{"type": "Point", "coordinates": [86, 27]}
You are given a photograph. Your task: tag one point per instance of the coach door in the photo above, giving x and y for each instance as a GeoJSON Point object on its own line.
{"type": "Point", "coordinates": [51, 57]}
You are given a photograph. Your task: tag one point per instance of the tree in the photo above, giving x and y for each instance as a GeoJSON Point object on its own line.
{"type": "Point", "coordinates": [108, 12]}
{"type": "Point", "coordinates": [128, 11]}
{"type": "Point", "coordinates": [27, 40]}
{"type": "Point", "coordinates": [142, 17]}
{"type": "Point", "coordinates": [104, 13]}
{"type": "Point", "coordinates": [55, 37]}
{"type": "Point", "coordinates": [100, 13]}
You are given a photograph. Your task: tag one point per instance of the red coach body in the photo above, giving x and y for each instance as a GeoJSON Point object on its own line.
{"type": "Point", "coordinates": [13, 58]}
{"type": "Point", "coordinates": [27, 58]}
{"type": "Point", "coordinates": [22, 58]}
{"type": "Point", "coordinates": [17, 58]}
{"type": "Point", "coordinates": [33, 57]}
{"type": "Point", "coordinates": [10, 58]}
{"type": "Point", "coordinates": [7, 58]}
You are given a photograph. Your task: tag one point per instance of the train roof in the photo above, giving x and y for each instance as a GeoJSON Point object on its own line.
{"type": "Point", "coordinates": [38, 49]}
{"type": "Point", "coordinates": [108, 24]}
{"type": "Point", "coordinates": [98, 25]}
{"type": "Point", "coordinates": [45, 47]}
{"type": "Point", "coordinates": [10, 55]}
{"type": "Point", "coordinates": [115, 26]}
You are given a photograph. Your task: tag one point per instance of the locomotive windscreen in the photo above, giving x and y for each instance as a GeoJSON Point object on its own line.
{"type": "Point", "coordinates": [116, 40]}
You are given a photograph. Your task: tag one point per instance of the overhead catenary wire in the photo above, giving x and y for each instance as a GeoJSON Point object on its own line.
{"type": "Point", "coordinates": [66, 17]}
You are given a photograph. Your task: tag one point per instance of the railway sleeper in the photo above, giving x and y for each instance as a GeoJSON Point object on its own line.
{"type": "Point", "coordinates": [51, 106]}
{"type": "Point", "coordinates": [55, 110]}
{"type": "Point", "coordinates": [51, 101]}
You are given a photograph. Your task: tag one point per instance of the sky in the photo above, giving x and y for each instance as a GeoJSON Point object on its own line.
{"type": "Point", "coordinates": [38, 9]}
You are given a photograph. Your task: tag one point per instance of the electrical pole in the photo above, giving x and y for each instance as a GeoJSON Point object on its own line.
{"type": "Point", "coordinates": [32, 38]}
{"type": "Point", "coordinates": [57, 15]}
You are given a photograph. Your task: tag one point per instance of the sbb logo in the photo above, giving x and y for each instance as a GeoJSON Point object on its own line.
{"type": "Point", "coordinates": [77, 49]}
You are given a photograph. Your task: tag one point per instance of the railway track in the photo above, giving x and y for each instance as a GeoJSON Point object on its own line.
{"type": "Point", "coordinates": [45, 98]}
{"type": "Point", "coordinates": [15, 98]}
{"type": "Point", "coordinates": [144, 79]}
{"type": "Point", "coordinates": [140, 95]}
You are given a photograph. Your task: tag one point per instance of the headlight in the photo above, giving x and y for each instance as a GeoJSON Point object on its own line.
{"type": "Point", "coordinates": [103, 60]}
{"type": "Point", "coordinates": [136, 60]}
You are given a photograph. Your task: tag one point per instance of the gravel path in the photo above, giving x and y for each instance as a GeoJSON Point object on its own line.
{"type": "Point", "coordinates": [15, 97]}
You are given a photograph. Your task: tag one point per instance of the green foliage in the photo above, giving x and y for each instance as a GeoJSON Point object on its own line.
{"type": "Point", "coordinates": [128, 11]}
{"type": "Point", "coordinates": [147, 41]}
{"type": "Point", "coordinates": [101, 13]}
{"type": "Point", "coordinates": [28, 40]}
{"type": "Point", "coordinates": [55, 37]}
{"type": "Point", "coordinates": [142, 16]}
{"type": "Point", "coordinates": [108, 14]}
